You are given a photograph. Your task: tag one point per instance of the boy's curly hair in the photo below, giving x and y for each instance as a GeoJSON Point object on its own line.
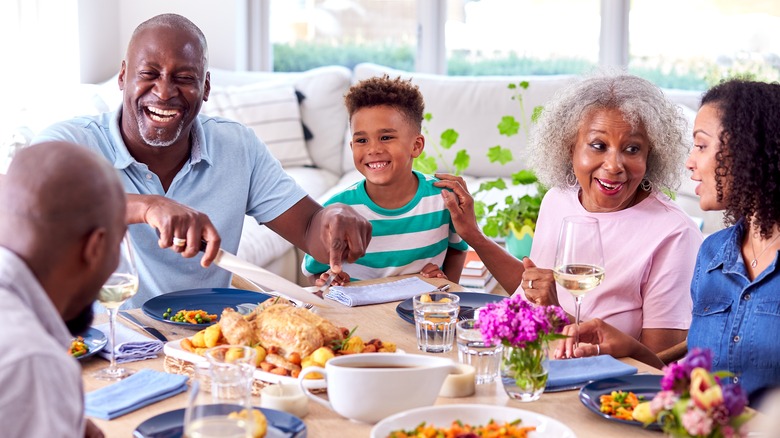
{"type": "Point", "coordinates": [397, 93]}
{"type": "Point", "coordinates": [748, 163]}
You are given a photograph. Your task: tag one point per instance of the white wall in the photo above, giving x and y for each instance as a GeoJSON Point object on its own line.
{"type": "Point", "coordinates": [105, 28]}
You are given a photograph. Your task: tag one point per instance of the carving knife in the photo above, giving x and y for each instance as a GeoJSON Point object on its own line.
{"type": "Point", "coordinates": [149, 330]}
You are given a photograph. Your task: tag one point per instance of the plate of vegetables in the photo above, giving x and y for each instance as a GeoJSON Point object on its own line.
{"type": "Point", "coordinates": [615, 398]}
{"type": "Point", "coordinates": [199, 308]}
{"type": "Point", "coordinates": [82, 347]}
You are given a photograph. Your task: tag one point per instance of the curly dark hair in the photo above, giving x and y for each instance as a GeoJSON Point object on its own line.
{"type": "Point", "coordinates": [397, 93]}
{"type": "Point", "coordinates": [748, 163]}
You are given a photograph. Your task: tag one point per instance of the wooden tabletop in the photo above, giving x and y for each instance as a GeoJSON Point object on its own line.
{"type": "Point", "coordinates": [376, 321]}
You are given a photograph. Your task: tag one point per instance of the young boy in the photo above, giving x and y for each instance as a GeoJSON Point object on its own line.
{"type": "Point", "coordinates": [412, 230]}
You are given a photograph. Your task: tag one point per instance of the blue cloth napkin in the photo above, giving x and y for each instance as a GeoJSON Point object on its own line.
{"type": "Point", "coordinates": [130, 345]}
{"type": "Point", "coordinates": [379, 293]}
{"type": "Point", "coordinates": [579, 371]}
{"type": "Point", "coordinates": [142, 388]}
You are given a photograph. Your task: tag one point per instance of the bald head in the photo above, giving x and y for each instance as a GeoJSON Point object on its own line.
{"type": "Point", "coordinates": [64, 215]}
{"type": "Point", "coordinates": [173, 22]}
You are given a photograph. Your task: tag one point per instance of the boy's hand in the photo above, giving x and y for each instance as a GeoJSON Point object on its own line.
{"type": "Point", "coordinates": [432, 271]}
{"type": "Point", "coordinates": [341, 279]}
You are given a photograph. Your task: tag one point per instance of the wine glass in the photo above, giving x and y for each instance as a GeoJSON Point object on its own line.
{"type": "Point", "coordinates": [120, 286]}
{"type": "Point", "coordinates": [579, 261]}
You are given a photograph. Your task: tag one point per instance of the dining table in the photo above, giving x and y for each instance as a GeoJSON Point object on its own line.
{"type": "Point", "coordinates": [371, 321]}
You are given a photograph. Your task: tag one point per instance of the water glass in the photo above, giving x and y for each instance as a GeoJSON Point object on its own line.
{"type": "Point", "coordinates": [435, 315]}
{"type": "Point", "coordinates": [474, 351]}
{"type": "Point", "coordinates": [220, 399]}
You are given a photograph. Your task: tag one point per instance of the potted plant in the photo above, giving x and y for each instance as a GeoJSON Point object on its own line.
{"type": "Point", "coordinates": [515, 218]}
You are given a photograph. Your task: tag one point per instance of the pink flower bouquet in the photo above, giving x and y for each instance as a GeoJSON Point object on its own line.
{"type": "Point", "coordinates": [694, 403]}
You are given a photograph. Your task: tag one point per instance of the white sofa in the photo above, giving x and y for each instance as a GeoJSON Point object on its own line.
{"type": "Point", "coordinates": [322, 163]}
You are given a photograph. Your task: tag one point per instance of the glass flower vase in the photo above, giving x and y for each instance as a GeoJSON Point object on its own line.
{"type": "Point", "coordinates": [524, 372]}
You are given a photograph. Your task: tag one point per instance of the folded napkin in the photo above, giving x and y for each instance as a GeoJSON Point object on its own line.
{"type": "Point", "coordinates": [130, 345]}
{"type": "Point", "coordinates": [579, 371]}
{"type": "Point", "coordinates": [142, 388]}
{"type": "Point", "coordinates": [379, 293]}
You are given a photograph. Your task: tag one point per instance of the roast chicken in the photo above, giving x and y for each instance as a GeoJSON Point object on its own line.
{"type": "Point", "coordinates": [290, 329]}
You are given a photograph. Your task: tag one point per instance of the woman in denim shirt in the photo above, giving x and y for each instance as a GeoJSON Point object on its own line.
{"type": "Point", "coordinates": [736, 282]}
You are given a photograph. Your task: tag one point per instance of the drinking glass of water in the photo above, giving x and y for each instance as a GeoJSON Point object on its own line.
{"type": "Point", "coordinates": [474, 351]}
{"type": "Point", "coordinates": [435, 315]}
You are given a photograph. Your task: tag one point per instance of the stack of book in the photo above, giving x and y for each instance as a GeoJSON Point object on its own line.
{"type": "Point", "coordinates": [475, 277]}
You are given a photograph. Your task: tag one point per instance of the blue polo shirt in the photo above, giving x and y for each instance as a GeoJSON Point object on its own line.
{"type": "Point", "coordinates": [738, 319]}
{"type": "Point", "coordinates": [230, 173]}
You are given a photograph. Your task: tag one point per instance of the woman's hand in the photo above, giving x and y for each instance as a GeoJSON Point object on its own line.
{"type": "Point", "coordinates": [432, 271]}
{"type": "Point", "coordinates": [460, 204]}
{"type": "Point", "coordinates": [539, 285]}
{"type": "Point", "coordinates": [597, 337]}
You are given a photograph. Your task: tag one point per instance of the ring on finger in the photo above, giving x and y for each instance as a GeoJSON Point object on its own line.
{"type": "Point", "coordinates": [530, 284]}
{"type": "Point", "coordinates": [179, 242]}
{"type": "Point", "coordinates": [598, 350]}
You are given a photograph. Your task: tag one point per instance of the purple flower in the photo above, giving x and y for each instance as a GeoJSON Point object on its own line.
{"type": "Point", "coordinates": [734, 399]}
{"type": "Point", "coordinates": [516, 322]}
{"type": "Point", "coordinates": [698, 358]}
{"type": "Point", "coordinates": [676, 378]}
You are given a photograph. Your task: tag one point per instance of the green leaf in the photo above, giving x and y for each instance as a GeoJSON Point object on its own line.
{"type": "Point", "coordinates": [425, 164]}
{"type": "Point", "coordinates": [495, 184]}
{"type": "Point", "coordinates": [479, 208]}
{"type": "Point", "coordinates": [461, 161]}
{"type": "Point", "coordinates": [491, 228]}
{"type": "Point", "coordinates": [524, 85]}
{"type": "Point", "coordinates": [524, 177]}
{"type": "Point", "coordinates": [536, 113]}
{"type": "Point", "coordinates": [497, 153]}
{"type": "Point", "coordinates": [427, 117]}
{"type": "Point", "coordinates": [511, 86]}
{"type": "Point", "coordinates": [508, 126]}
{"type": "Point", "coordinates": [448, 138]}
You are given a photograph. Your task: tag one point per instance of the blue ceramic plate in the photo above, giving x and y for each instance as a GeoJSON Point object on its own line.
{"type": "Point", "coordinates": [468, 302]}
{"type": "Point", "coordinates": [95, 340]}
{"type": "Point", "coordinates": [171, 425]}
{"type": "Point", "coordinates": [643, 385]}
{"type": "Point", "coordinates": [212, 300]}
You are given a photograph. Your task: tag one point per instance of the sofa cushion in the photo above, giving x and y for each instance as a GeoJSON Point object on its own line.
{"type": "Point", "coordinates": [473, 106]}
{"type": "Point", "coordinates": [322, 108]}
{"type": "Point", "coordinates": [271, 110]}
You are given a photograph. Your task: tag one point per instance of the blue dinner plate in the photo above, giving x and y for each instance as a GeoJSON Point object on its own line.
{"type": "Point", "coordinates": [212, 300]}
{"type": "Point", "coordinates": [643, 385]}
{"type": "Point", "coordinates": [171, 425]}
{"type": "Point", "coordinates": [468, 302]}
{"type": "Point", "coordinates": [95, 340]}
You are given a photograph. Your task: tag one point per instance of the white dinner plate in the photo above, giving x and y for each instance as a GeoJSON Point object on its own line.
{"type": "Point", "coordinates": [443, 416]}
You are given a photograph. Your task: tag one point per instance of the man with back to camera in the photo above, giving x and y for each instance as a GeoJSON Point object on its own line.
{"type": "Point", "coordinates": [189, 175]}
{"type": "Point", "coordinates": [61, 224]}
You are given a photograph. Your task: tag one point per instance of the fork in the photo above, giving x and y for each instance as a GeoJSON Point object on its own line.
{"type": "Point", "coordinates": [321, 291]}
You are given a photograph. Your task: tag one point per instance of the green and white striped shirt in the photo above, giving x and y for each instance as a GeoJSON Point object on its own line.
{"type": "Point", "coordinates": [403, 240]}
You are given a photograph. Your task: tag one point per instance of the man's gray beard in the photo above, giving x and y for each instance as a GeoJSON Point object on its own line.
{"type": "Point", "coordinates": [154, 142]}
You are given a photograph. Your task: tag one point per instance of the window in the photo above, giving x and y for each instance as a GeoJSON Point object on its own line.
{"type": "Point", "coordinates": [313, 33]}
{"type": "Point", "coordinates": [695, 43]}
{"type": "Point", "coordinates": [494, 37]}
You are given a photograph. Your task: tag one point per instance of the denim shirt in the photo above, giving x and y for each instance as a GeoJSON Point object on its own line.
{"type": "Point", "coordinates": [738, 319]}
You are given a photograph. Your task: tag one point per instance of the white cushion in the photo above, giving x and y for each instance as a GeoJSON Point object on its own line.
{"type": "Point", "coordinates": [473, 106]}
{"type": "Point", "coordinates": [269, 109]}
{"type": "Point", "coordinates": [322, 109]}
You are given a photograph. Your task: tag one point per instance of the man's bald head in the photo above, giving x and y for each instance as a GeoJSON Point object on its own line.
{"type": "Point", "coordinates": [174, 22]}
{"type": "Point", "coordinates": [63, 214]}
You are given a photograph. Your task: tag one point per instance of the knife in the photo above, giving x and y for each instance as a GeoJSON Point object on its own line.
{"type": "Point", "coordinates": [149, 330]}
{"type": "Point", "coordinates": [268, 279]}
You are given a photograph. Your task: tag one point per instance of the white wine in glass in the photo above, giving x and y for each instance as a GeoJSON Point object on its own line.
{"type": "Point", "coordinates": [120, 286]}
{"type": "Point", "coordinates": [579, 260]}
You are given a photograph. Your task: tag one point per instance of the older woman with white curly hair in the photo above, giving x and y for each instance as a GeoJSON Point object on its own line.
{"type": "Point", "coordinates": [606, 146]}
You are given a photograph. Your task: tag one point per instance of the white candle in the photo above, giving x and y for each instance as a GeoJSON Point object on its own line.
{"type": "Point", "coordinates": [459, 383]}
{"type": "Point", "coordinates": [285, 397]}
